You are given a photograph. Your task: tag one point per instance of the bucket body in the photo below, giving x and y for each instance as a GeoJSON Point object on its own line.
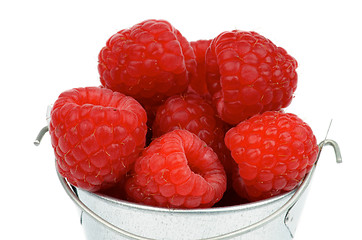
{"type": "Point", "coordinates": [161, 223]}
{"type": "Point", "coordinates": [106, 218]}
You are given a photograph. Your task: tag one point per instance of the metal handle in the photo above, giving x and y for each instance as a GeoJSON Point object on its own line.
{"type": "Point", "coordinates": [290, 203]}
{"type": "Point", "coordinates": [40, 135]}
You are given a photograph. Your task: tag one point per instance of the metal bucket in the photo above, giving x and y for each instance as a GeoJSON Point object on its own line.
{"type": "Point", "coordinates": [276, 218]}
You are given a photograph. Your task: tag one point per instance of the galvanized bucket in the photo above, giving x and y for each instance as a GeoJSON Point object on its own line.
{"type": "Point", "coordinates": [274, 219]}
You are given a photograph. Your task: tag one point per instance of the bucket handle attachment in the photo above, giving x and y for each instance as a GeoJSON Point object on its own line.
{"type": "Point", "coordinates": [289, 204]}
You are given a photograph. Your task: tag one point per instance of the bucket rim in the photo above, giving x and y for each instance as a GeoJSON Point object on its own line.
{"type": "Point", "coordinates": [249, 205]}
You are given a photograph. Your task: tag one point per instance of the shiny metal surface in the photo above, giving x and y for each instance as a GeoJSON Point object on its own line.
{"type": "Point", "coordinates": [274, 219]}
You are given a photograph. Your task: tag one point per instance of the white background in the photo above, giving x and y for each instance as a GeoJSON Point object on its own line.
{"type": "Point", "coordinates": [47, 47]}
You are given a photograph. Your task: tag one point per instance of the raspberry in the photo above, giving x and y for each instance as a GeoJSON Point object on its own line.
{"type": "Point", "coordinates": [96, 135]}
{"type": "Point", "coordinates": [239, 187]}
{"type": "Point", "coordinates": [177, 170]}
{"type": "Point", "coordinates": [198, 81]}
{"type": "Point", "coordinates": [192, 113]}
{"type": "Point", "coordinates": [247, 74]}
{"type": "Point", "coordinates": [149, 61]}
{"type": "Point", "coordinates": [274, 151]}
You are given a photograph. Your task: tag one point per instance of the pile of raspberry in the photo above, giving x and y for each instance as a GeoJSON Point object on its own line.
{"type": "Point", "coordinates": [181, 124]}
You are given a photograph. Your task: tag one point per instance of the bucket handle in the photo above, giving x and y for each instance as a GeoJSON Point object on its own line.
{"type": "Point", "coordinates": [289, 204]}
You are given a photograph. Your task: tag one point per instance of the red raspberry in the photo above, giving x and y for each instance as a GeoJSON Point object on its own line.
{"type": "Point", "coordinates": [177, 170]}
{"type": "Point", "coordinates": [192, 113]}
{"type": "Point", "coordinates": [247, 75]}
{"type": "Point", "coordinates": [239, 187]}
{"type": "Point", "coordinates": [149, 61]}
{"type": "Point", "coordinates": [198, 81]}
{"type": "Point", "coordinates": [96, 135]}
{"type": "Point", "coordinates": [274, 151]}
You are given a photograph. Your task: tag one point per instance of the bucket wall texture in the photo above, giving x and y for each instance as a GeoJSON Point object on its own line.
{"type": "Point", "coordinates": [159, 223]}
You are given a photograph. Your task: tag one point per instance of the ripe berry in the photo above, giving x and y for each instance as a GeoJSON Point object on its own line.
{"type": "Point", "coordinates": [247, 74]}
{"type": "Point", "coordinates": [96, 135]}
{"type": "Point", "coordinates": [274, 151]}
{"type": "Point", "coordinates": [177, 170]}
{"type": "Point", "coordinates": [193, 113]}
{"type": "Point", "coordinates": [149, 61]}
{"type": "Point", "coordinates": [198, 81]}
